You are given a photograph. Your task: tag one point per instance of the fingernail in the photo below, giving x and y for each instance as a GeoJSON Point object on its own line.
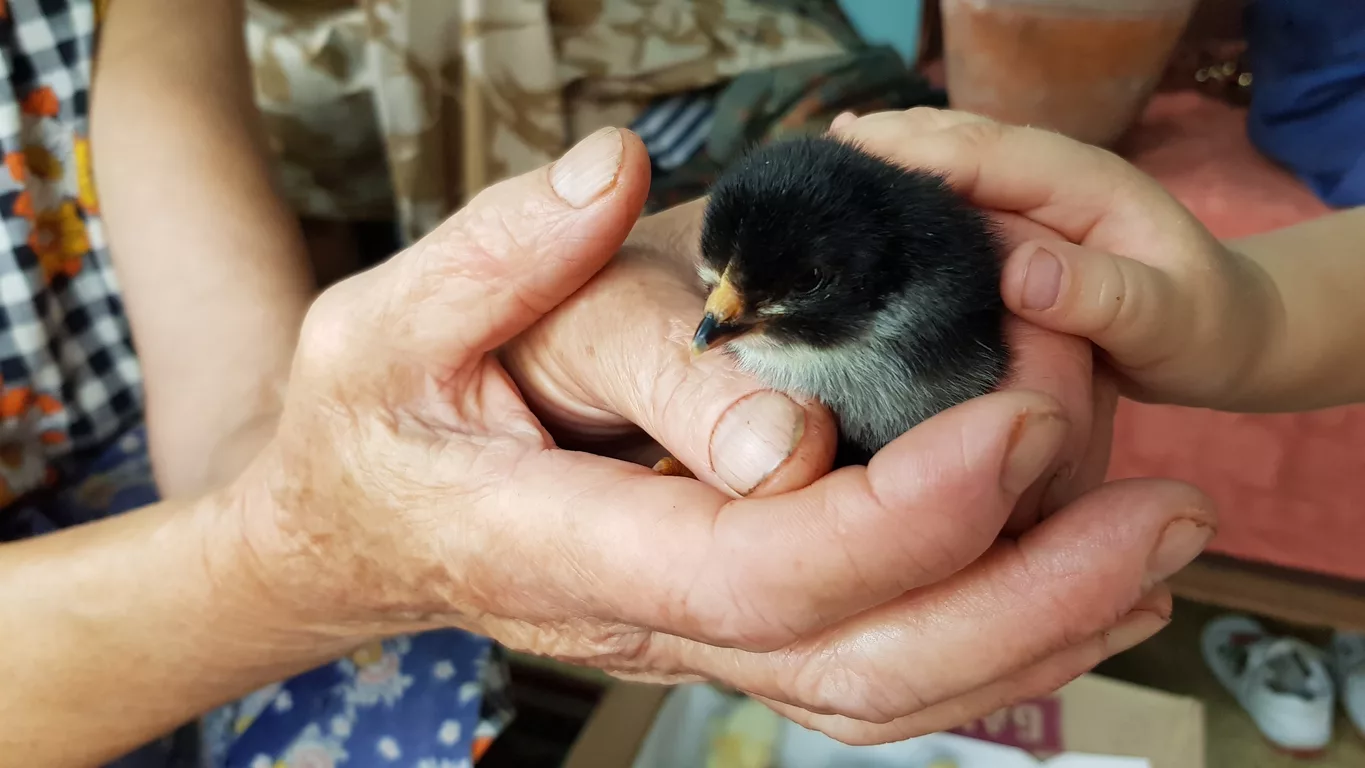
{"type": "Point", "coordinates": [1037, 438]}
{"type": "Point", "coordinates": [1180, 544]}
{"type": "Point", "coordinates": [589, 169]}
{"type": "Point", "coordinates": [754, 438]}
{"type": "Point", "coordinates": [1042, 280]}
{"type": "Point", "coordinates": [1138, 627]}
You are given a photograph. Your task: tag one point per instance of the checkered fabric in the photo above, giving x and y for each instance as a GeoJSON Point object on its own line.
{"type": "Point", "coordinates": [71, 403]}
{"type": "Point", "coordinates": [69, 380]}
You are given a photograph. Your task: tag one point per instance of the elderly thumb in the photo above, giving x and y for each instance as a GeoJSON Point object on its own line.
{"type": "Point", "coordinates": [1126, 307]}
{"type": "Point", "coordinates": [516, 251]}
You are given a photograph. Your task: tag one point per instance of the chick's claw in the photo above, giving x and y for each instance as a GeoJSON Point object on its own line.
{"type": "Point", "coordinates": [671, 467]}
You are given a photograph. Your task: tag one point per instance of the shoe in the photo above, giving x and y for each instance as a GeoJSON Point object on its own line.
{"type": "Point", "coordinates": [1282, 682]}
{"type": "Point", "coordinates": [1348, 662]}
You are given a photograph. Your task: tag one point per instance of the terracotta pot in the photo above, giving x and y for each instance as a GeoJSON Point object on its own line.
{"type": "Point", "coordinates": [1084, 68]}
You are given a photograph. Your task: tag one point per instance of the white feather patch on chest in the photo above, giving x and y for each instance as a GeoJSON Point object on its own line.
{"type": "Point", "coordinates": [872, 384]}
{"type": "Point", "coordinates": [868, 383]}
{"type": "Point", "coordinates": [872, 392]}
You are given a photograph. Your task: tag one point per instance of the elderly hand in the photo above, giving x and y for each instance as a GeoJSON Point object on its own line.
{"type": "Point", "coordinates": [608, 371]}
{"type": "Point", "coordinates": [411, 486]}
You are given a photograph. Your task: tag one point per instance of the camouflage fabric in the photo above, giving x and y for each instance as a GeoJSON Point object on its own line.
{"type": "Point", "coordinates": [409, 106]}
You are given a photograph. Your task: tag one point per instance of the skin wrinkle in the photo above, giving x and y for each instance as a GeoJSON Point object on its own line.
{"type": "Point", "coordinates": [1033, 681]}
{"type": "Point", "coordinates": [587, 496]}
{"type": "Point", "coordinates": [572, 606]}
{"type": "Point", "coordinates": [1076, 624]}
{"type": "Point", "coordinates": [556, 368]}
{"type": "Point", "coordinates": [856, 694]}
{"type": "Point", "coordinates": [1269, 316]}
{"type": "Point", "coordinates": [734, 627]}
{"type": "Point", "coordinates": [910, 560]}
{"type": "Point", "coordinates": [950, 562]}
{"type": "Point", "coordinates": [667, 388]}
{"type": "Point", "coordinates": [1122, 195]}
{"type": "Point", "coordinates": [469, 253]}
{"type": "Point", "coordinates": [1109, 294]}
{"type": "Point", "coordinates": [739, 616]}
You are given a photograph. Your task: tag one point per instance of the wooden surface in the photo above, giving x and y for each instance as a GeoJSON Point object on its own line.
{"type": "Point", "coordinates": [618, 727]}
{"type": "Point", "coordinates": [1278, 593]}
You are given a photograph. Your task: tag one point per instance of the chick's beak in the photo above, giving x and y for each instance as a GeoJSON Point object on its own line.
{"type": "Point", "coordinates": [724, 307]}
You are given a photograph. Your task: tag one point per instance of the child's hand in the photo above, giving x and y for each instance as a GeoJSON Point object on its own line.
{"type": "Point", "coordinates": [1098, 250]}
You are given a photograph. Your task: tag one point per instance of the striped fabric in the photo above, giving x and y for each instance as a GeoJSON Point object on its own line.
{"type": "Point", "coordinates": [674, 128]}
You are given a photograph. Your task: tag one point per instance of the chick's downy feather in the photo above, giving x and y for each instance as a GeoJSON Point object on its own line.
{"type": "Point", "coordinates": [839, 275]}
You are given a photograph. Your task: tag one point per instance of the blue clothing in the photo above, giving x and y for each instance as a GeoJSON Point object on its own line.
{"type": "Point", "coordinates": [1308, 98]}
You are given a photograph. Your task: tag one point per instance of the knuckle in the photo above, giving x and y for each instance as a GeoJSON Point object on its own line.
{"type": "Point", "coordinates": [490, 246]}
{"type": "Point", "coordinates": [748, 627]}
{"type": "Point", "coordinates": [826, 682]}
{"type": "Point", "coordinates": [922, 118]}
{"type": "Point", "coordinates": [1106, 306]}
{"type": "Point", "coordinates": [325, 336]}
{"type": "Point", "coordinates": [920, 558]}
{"type": "Point", "coordinates": [977, 135]}
{"type": "Point", "coordinates": [719, 612]}
{"type": "Point", "coordinates": [490, 240]}
{"type": "Point", "coordinates": [482, 247]}
{"type": "Point", "coordinates": [1074, 622]}
{"type": "Point", "coordinates": [670, 393]}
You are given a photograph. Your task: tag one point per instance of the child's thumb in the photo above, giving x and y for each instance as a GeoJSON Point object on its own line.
{"type": "Point", "coordinates": [1128, 308]}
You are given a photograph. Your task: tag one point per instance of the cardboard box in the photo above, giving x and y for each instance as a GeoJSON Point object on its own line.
{"type": "Point", "coordinates": [1093, 715]}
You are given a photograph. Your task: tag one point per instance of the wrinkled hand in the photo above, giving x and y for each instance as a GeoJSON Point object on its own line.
{"type": "Point", "coordinates": [1101, 251]}
{"type": "Point", "coordinates": [614, 356]}
{"type": "Point", "coordinates": [410, 486]}
{"type": "Point", "coordinates": [608, 371]}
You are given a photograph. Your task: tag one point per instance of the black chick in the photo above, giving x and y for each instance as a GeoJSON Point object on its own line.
{"type": "Point", "coordinates": [839, 275]}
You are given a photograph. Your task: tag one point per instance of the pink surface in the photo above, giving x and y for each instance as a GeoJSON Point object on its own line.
{"type": "Point", "coordinates": [1290, 489]}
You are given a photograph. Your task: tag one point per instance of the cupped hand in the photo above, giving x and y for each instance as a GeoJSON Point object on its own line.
{"type": "Point", "coordinates": [609, 370]}
{"type": "Point", "coordinates": [410, 486]}
{"type": "Point", "coordinates": [1100, 251]}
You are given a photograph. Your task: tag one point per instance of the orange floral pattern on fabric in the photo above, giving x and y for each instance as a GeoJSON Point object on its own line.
{"type": "Point", "coordinates": [60, 240]}
{"type": "Point", "coordinates": [53, 171]}
{"type": "Point", "coordinates": [42, 102]}
{"type": "Point", "coordinates": [22, 411]}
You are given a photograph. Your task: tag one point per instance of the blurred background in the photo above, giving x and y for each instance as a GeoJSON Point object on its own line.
{"type": "Point", "coordinates": [384, 115]}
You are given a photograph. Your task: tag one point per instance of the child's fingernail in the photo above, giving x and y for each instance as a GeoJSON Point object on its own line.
{"type": "Point", "coordinates": [1042, 280]}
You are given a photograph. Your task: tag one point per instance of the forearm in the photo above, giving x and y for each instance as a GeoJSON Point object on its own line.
{"type": "Point", "coordinates": [213, 269]}
{"type": "Point", "coordinates": [118, 631]}
{"type": "Point", "coordinates": [1315, 357]}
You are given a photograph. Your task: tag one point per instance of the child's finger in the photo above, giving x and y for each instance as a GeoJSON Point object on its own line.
{"type": "Point", "coordinates": [1126, 307]}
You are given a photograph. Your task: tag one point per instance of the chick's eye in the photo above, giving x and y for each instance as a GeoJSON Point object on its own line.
{"type": "Point", "coordinates": [808, 282]}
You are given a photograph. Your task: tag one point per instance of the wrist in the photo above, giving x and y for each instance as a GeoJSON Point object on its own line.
{"type": "Point", "coordinates": [305, 578]}
{"type": "Point", "coordinates": [134, 624]}
{"type": "Point", "coordinates": [1260, 328]}
{"type": "Point", "coordinates": [1257, 336]}
{"type": "Point", "coordinates": [261, 574]}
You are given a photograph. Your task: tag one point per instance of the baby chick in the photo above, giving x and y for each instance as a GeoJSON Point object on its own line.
{"type": "Point", "coordinates": [838, 275]}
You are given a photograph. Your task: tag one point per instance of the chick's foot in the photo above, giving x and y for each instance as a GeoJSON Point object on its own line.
{"type": "Point", "coordinates": [673, 468]}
